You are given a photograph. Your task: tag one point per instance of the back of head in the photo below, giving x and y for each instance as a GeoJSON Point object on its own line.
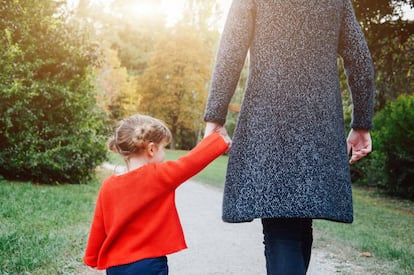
{"type": "Point", "coordinates": [134, 133]}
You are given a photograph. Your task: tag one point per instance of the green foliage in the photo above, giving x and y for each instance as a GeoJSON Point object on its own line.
{"type": "Point", "coordinates": [174, 85]}
{"type": "Point", "coordinates": [132, 35]}
{"type": "Point", "coordinates": [393, 138]}
{"type": "Point", "coordinates": [116, 88]}
{"type": "Point", "coordinates": [50, 128]}
{"type": "Point", "coordinates": [390, 39]}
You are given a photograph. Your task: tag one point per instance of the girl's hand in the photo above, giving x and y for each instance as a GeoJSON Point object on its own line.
{"type": "Point", "coordinates": [212, 127]}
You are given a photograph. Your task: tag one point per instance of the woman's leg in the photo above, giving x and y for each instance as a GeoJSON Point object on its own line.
{"type": "Point", "coordinates": [151, 266]}
{"type": "Point", "coordinates": [288, 244]}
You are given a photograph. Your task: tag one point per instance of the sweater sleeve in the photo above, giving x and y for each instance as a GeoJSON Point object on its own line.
{"type": "Point", "coordinates": [176, 172]}
{"type": "Point", "coordinates": [358, 68]}
{"type": "Point", "coordinates": [232, 51]}
{"type": "Point", "coordinates": [96, 236]}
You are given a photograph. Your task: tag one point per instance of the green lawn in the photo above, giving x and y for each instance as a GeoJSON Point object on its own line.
{"type": "Point", "coordinates": [382, 227]}
{"type": "Point", "coordinates": [43, 229]}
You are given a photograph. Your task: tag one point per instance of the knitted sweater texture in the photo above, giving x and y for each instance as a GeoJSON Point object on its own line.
{"type": "Point", "coordinates": [136, 217]}
{"type": "Point", "coordinates": [288, 157]}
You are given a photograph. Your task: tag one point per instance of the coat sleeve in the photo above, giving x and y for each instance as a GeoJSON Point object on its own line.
{"type": "Point", "coordinates": [231, 54]}
{"type": "Point", "coordinates": [358, 67]}
{"type": "Point", "coordinates": [97, 236]}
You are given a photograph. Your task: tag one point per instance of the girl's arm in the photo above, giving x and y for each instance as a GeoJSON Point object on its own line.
{"type": "Point", "coordinates": [177, 172]}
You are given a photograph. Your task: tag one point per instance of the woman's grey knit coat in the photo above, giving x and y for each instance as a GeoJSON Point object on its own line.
{"type": "Point", "coordinates": [289, 157]}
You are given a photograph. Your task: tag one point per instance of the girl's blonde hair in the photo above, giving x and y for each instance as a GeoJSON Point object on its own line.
{"type": "Point", "coordinates": [134, 133]}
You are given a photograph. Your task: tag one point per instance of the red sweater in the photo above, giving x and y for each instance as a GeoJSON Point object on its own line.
{"type": "Point", "coordinates": [136, 217]}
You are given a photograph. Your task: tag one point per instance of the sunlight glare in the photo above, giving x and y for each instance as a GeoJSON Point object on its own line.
{"type": "Point", "coordinates": [143, 9]}
{"type": "Point", "coordinates": [172, 10]}
{"type": "Point", "coordinates": [408, 13]}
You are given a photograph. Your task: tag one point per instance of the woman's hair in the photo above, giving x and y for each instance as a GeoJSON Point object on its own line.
{"type": "Point", "coordinates": [134, 133]}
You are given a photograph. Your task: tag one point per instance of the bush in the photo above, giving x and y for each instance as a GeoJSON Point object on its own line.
{"type": "Point", "coordinates": [393, 140]}
{"type": "Point", "coordinates": [50, 129]}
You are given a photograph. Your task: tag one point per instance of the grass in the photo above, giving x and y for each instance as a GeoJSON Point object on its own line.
{"type": "Point", "coordinates": [382, 227]}
{"type": "Point", "coordinates": [43, 229]}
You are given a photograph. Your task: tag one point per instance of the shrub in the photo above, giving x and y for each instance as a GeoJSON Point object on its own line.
{"type": "Point", "coordinates": [50, 129]}
{"type": "Point", "coordinates": [393, 138]}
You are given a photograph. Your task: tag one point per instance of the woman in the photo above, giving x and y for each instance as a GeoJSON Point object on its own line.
{"type": "Point", "coordinates": [288, 163]}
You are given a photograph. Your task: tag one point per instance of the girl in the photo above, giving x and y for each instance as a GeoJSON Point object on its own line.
{"type": "Point", "coordinates": [136, 223]}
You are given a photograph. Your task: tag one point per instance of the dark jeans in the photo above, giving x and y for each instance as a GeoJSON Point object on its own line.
{"type": "Point", "coordinates": [151, 266]}
{"type": "Point", "coordinates": [288, 245]}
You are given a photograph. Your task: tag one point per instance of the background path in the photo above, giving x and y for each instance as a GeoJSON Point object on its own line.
{"type": "Point", "coordinates": [215, 247]}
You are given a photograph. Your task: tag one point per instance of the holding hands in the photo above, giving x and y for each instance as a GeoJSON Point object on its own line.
{"type": "Point", "coordinates": [212, 127]}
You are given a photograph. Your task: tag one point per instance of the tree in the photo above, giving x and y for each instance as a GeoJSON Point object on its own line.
{"type": "Point", "coordinates": [50, 129]}
{"type": "Point", "coordinates": [116, 88]}
{"type": "Point", "coordinates": [203, 16]}
{"type": "Point", "coordinates": [133, 31]}
{"type": "Point", "coordinates": [174, 85]}
{"type": "Point", "coordinates": [391, 42]}
{"type": "Point", "coordinates": [127, 31]}
{"type": "Point", "coordinates": [394, 140]}
{"type": "Point", "coordinates": [130, 27]}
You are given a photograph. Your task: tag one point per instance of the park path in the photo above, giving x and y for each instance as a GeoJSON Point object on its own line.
{"type": "Point", "coordinates": [218, 248]}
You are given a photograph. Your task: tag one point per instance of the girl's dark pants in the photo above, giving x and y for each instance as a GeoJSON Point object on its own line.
{"type": "Point", "coordinates": [151, 266]}
{"type": "Point", "coordinates": [288, 244]}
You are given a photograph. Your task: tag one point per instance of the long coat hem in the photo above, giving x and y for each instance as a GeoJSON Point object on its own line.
{"type": "Point", "coordinates": [347, 220]}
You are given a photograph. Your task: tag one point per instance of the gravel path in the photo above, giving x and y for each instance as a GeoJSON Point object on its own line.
{"type": "Point", "coordinates": [218, 248]}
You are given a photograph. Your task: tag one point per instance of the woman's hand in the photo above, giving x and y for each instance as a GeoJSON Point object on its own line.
{"type": "Point", "coordinates": [359, 142]}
